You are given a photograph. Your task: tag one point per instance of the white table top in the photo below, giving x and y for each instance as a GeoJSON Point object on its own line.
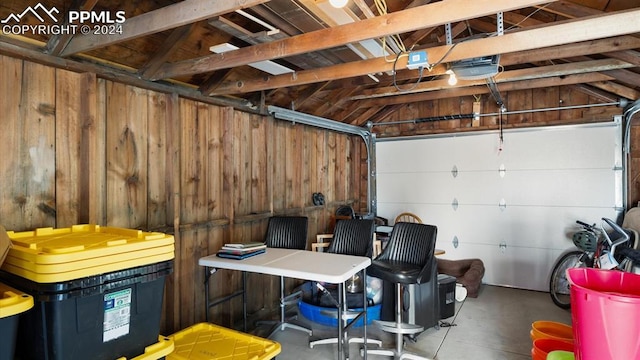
{"type": "Point", "coordinates": [384, 229]}
{"type": "Point", "coordinates": [299, 264]}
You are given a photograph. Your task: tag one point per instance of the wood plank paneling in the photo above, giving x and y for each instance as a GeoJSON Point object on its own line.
{"type": "Point", "coordinates": [331, 196]}
{"type": "Point", "coordinates": [12, 178]}
{"type": "Point", "coordinates": [340, 176]}
{"type": "Point", "coordinates": [127, 160]}
{"type": "Point", "coordinates": [258, 164]}
{"type": "Point", "coordinates": [76, 148]}
{"type": "Point", "coordinates": [68, 140]}
{"type": "Point", "coordinates": [158, 114]}
{"type": "Point", "coordinates": [215, 165]}
{"type": "Point", "coordinates": [98, 188]}
{"type": "Point", "coordinates": [193, 209]}
{"type": "Point", "coordinates": [38, 115]}
{"type": "Point", "coordinates": [171, 306]}
{"type": "Point", "coordinates": [541, 99]}
{"type": "Point", "coordinates": [279, 167]}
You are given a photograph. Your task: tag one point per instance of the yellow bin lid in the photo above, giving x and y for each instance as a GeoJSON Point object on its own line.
{"type": "Point", "coordinates": [88, 264]}
{"type": "Point", "coordinates": [155, 351]}
{"type": "Point", "coordinates": [13, 302]}
{"type": "Point", "coordinates": [81, 242]}
{"type": "Point", "coordinates": [205, 341]}
{"type": "Point", "coordinates": [86, 272]}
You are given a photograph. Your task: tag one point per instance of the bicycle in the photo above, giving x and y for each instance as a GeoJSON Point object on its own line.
{"type": "Point", "coordinates": [597, 249]}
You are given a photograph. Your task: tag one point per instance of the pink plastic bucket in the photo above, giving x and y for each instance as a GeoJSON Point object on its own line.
{"type": "Point", "coordinates": [605, 313]}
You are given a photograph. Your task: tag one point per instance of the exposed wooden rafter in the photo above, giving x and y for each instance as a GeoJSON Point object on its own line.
{"type": "Point", "coordinates": [394, 23]}
{"type": "Point", "coordinates": [614, 24]}
{"type": "Point", "coordinates": [168, 17]}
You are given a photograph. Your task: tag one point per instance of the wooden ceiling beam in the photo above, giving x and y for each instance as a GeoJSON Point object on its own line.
{"type": "Point", "coordinates": [307, 93]}
{"type": "Point", "coordinates": [336, 98]}
{"type": "Point", "coordinates": [213, 81]}
{"type": "Point", "coordinates": [618, 89]}
{"type": "Point", "coordinates": [509, 76]}
{"type": "Point", "coordinates": [598, 46]}
{"type": "Point", "coordinates": [168, 17]}
{"type": "Point", "coordinates": [569, 10]}
{"type": "Point", "coordinates": [235, 30]}
{"type": "Point", "coordinates": [173, 43]}
{"type": "Point", "coordinates": [365, 116]}
{"type": "Point", "coordinates": [589, 90]}
{"type": "Point", "coordinates": [58, 42]}
{"type": "Point", "coordinates": [625, 76]}
{"type": "Point", "coordinates": [482, 89]}
{"type": "Point", "coordinates": [604, 26]}
{"type": "Point", "coordinates": [11, 47]}
{"type": "Point", "coordinates": [630, 56]}
{"type": "Point", "coordinates": [430, 15]}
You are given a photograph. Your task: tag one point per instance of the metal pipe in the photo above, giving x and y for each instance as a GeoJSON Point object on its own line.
{"type": "Point", "coordinates": [466, 116]}
{"type": "Point", "coordinates": [365, 133]}
{"type": "Point", "coordinates": [628, 114]}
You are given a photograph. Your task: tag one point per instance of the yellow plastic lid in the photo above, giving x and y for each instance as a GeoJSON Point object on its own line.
{"type": "Point", "coordinates": [158, 350]}
{"type": "Point", "coordinates": [81, 242]}
{"type": "Point", "coordinates": [89, 263]}
{"type": "Point", "coordinates": [13, 302]}
{"type": "Point", "coordinates": [86, 272]}
{"type": "Point", "coordinates": [206, 341]}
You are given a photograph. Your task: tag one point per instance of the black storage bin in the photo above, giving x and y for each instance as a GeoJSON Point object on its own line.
{"type": "Point", "coordinates": [13, 305]}
{"type": "Point", "coordinates": [118, 318]}
{"type": "Point", "coordinates": [447, 290]}
{"type": "Point", "coordinates": [420, 302]}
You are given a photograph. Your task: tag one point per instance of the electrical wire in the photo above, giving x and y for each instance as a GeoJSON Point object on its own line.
{"type": "Point", "coordinates": [381, 6]}
{"type": "Point", "coordinates": [526, 17]}
{"type": "Point", "coordinates": [395, 83]}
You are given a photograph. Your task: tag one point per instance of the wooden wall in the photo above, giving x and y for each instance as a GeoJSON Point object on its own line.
{"type": "Point", "coordinates": [80, 149]}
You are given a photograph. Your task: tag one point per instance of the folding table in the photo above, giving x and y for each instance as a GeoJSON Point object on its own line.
{"type": "Point", "coordinates": [299, 264]}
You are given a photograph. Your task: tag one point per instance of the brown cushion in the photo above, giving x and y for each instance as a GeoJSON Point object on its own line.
{"type": "Point", "coordinates": [468, 272]}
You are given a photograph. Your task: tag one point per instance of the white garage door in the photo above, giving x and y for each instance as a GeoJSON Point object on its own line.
{"type": "Point", "coordinates": [512, 205]}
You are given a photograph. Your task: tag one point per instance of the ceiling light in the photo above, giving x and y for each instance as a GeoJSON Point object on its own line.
{"type": "Point", "coordinates": [452, 77]}
{"type": "Point", "coordinates": [338, 3]}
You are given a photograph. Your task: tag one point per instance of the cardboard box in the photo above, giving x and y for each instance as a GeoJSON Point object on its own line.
{"type": "Point", "coordinates": [5, 244]}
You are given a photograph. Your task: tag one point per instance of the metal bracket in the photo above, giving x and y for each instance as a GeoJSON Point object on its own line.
{"type": "Point", "coordinates": [500, 23]}
{"type": "Point", "coordinates": [447, 32]}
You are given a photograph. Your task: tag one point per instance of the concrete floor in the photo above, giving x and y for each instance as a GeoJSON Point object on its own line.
{"type": "Point", "coordinates": [493, 326]}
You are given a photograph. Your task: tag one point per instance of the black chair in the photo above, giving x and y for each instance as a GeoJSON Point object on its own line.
{"type": "Point", "coordinates": [351, 237]}
{"type": "Point", "coordinates": [407, 259]}
{"type": "Point", "coordinates": [287, 232]}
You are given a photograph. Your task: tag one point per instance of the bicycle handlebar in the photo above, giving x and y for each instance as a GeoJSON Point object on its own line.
{"type": "Point", "coordinates": [585, 225]}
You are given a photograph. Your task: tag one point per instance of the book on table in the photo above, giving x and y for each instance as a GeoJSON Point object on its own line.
{"type": "Point", "coordinates": [243, 250]}
{"type": "Point", "coordinates": [245, 245]}
{"type": "Point", "coordinates": [239, 251]}
{"type": "Point", "coordinates": [241, 256]}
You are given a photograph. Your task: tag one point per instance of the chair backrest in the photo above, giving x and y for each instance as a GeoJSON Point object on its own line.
{"type": "Point", "coordinates": [411, 243]}
{"type": "Point", "coordinates": [408, 217]}
{"type": "Point", "coordinates": [288, 232]}
{"type": "Point", "coordinates": [353, 237]}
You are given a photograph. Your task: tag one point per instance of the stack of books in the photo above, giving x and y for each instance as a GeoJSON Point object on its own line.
{"type": "Point", "coordinates": [241, 251]}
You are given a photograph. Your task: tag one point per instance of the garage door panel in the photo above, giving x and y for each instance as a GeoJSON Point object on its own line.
{"type": "Point", "coordinates": [551, 178]}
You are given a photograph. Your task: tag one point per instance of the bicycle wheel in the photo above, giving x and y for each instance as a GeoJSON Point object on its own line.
{"type": "Point", "coordinates": [558, 283]}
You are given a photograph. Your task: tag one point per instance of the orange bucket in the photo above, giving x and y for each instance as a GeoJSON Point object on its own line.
{"type": "Point", "coordinates": [551, 330]}
{"type": "Point", "coordinates": [542, 347]}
